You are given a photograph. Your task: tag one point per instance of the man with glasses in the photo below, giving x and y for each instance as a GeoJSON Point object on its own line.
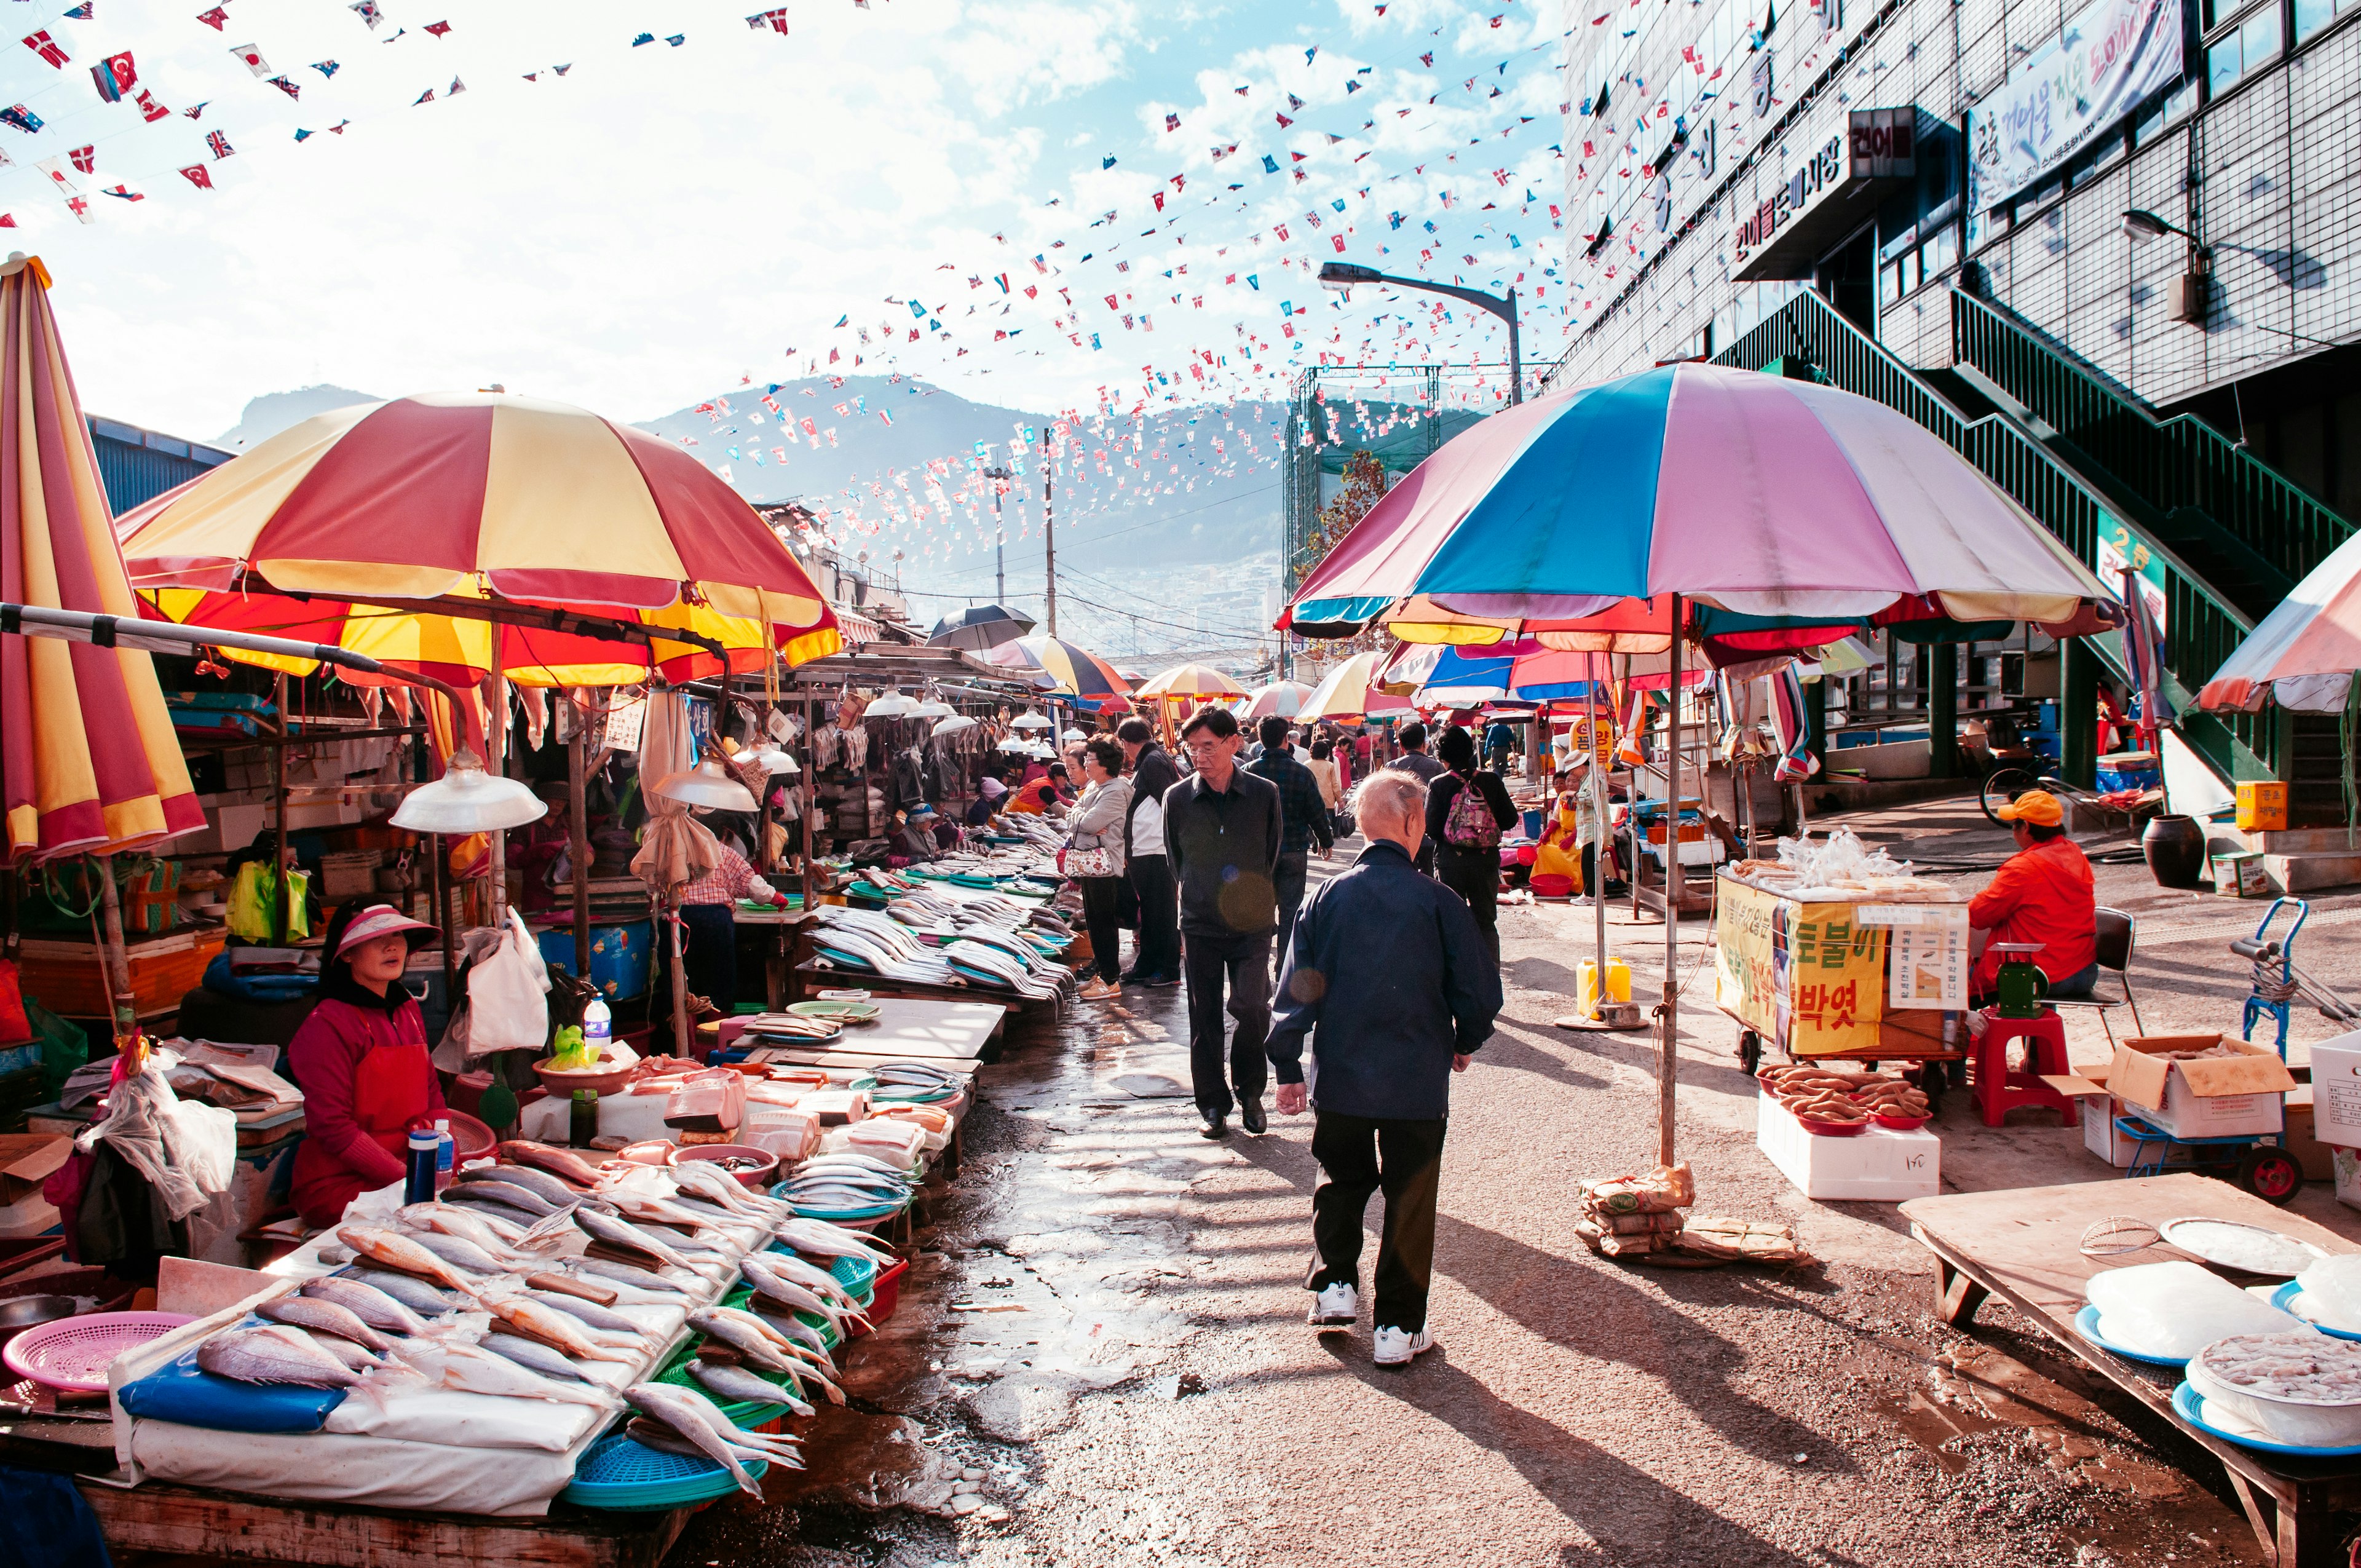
{"type": "Point", "coordinates": [1223, 832]}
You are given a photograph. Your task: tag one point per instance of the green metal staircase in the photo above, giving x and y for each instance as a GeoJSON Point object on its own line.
{"type": "Point", "coordinates": [2000, 406]}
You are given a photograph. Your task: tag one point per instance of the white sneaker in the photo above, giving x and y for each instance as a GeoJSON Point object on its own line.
{"type": "Point", "coordinates": [1334, 1308]}
{"type": "Point", "coordinates": [1396, 1347]}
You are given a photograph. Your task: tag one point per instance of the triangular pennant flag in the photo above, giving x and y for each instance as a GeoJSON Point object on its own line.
{"type": "Point", "coordinates": [82, 12]}
{"type": "Point", "coordinates": [327, 67]}
{"type": "Point", "coordinates": [252, 58]}
{"type": "Point", "coordinates": [438, 28]}
{"type": "Point", "coordinates": [196, 111]}
{"type": "Point", "coordinates": [367, 12]}
{"type": "Point", "coordinates": [7, 220]}
{"type": "Point", "coordinates": [124, 193]}
{"type": "Point", "coordinates": [86, 159]}
{"type": "Point", "coordinates": [150, 109]}
{"type": "Point", "coordinates": [214, 18]}
{"type": "Point", "coordinates": [425, 97]}
{"type": "Point", "coordinates": [218, 141]}
{"type": "Point", "coordinates": [290, 89]}
{"type": "Point", "coordinates": [199, 176]}
{"type": "Point", "coordinates": [457, 88]}
{"type": "Point", "coordinates": [80, 207]}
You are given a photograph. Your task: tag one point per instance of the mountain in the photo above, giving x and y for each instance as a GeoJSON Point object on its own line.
{"type": "Point", "coordinates": [266, 415]}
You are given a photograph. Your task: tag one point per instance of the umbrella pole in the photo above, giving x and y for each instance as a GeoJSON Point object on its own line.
{"type": "Point", "coordinates": [442, 854]}
{"type": "Point", "coordinates": [679, 973]}
{"type": "Point", "coordinates": [116, 960]}
{"type": "Point", "coordinates": [279, 915]}
{"type": "Point", "coordinates": [496, 741]}
{"type": "Point", "coordinates": [1669, 1012]}
{"type": "Point", "coordinates": [810, 799]}
{"type": "Point", "coordinates": [1598, 860]}
{"type": "Point", "coordinates": [577, 794]}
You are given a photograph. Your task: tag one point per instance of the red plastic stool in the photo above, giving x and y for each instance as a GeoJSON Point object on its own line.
{"type": "Point", "coordinates": [1998, 1088]}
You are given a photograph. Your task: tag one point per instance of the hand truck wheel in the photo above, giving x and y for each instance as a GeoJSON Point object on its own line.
{"type": "Point", "coordinates": [2270, 1174]}
{"type": "Point", "coordinates": [1750, 1050]}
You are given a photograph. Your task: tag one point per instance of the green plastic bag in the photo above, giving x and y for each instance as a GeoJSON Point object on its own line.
{"type": "Point", "coordinates": [65, 1046]}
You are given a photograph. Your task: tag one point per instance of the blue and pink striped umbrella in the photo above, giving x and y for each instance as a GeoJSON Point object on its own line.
{"type": "Point", "coordinates": [1779, 502]}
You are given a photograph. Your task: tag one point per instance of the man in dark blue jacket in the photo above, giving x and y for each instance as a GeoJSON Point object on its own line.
{"type": "Point", "coordinates": [1391, 978]}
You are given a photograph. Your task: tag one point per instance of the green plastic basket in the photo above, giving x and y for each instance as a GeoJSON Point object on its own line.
{"type": "Point", "coordinates": [624, 1475]}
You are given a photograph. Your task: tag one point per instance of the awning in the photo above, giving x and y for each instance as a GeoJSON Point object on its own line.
{"type": "Point", "coordinates": [858, 629]}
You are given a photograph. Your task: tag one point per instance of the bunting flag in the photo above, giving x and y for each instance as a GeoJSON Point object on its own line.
{"type": "Point", "coordinates": [196, 110]}
{"type": "Point", "coordinates": [327, 67]}
{"type": "Point", "coordinates": [48, 48]}
{"type": "Point", "coordinates": [82, 12]}
{"type": "Point", "coordinates": [425, 97]}
{"type": "Point", "coordinates": [252, 57]}
{"type": "Point", "coordinates": [776, 19]}
{"type": "Point", "coordinates": [55, 168]}
{"type": "Point", "coordinates": [438, 28]}
{"type": "Point", "coordinates": [290, 88]}
{"type": "Point", "coordinates": [21, 117]}
{"type": "Point", "coordinates": [219, 143]}
{"type": "Point", "coordinates": [86, 159]}
{"type": "Point", "coordinates": [214, 19]}
{"type": "Point", "coordinates": [7, 220]}
{"type": "Point", "coordinates": [80, 207]}
{"type": "Point", "coordinates": [367, 10]}
{"type": "Point", "coordinates": [457, 88]}
{"type": "Point", "coordinates": [199, 176]}
{"type": "Point", "coordinates": [124, 192]}
{"type": "Point", "coordinates": [149, 110]}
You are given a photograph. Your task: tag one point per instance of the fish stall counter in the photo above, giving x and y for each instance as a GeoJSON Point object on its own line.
{"type": "Point", "coordinates": [504, 1374]}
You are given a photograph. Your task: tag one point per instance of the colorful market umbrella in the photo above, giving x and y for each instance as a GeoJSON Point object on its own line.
{"type": "Point", "coordinates": [91, 763]}
{"type": "Point", "coordinates": [1280, 699]}
{"type": "Point", "coordinates": [979, 627]}
{"type": "Point", "coordinates": [440, 500]}
{"type": "Point", "coordinates": [1190, 681]}
{"type": "Point", "coordinates": [1526, 671]}
{"type": "Point", "coordinates": [2304, 654]}
{"type": "Point", "coordinates": [1350, 691]}
{"type": "Point", "coordinates": [1061, 669]}
{"type": "Point", "coordinates": [1775, 499]}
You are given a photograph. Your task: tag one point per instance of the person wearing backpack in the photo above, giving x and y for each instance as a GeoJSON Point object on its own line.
{"type": "Point", "coordinates": [1467, 808]}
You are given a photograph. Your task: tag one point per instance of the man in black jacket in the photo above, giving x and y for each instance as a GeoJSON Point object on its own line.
{"type": "Point", "coordinates": [1389, 977]}
{"type": "Point", "coordinates": [1157, 961]}
{"type": "Point", "coordinates": [1223, 829]}
{"type": "Point", "coordinates": [1305, 814]}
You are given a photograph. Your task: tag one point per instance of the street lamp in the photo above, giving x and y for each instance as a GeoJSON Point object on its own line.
{"type": "Point", "coordinates": [1343, 275]}
{"type": "Point", "coordinates": [2189, 290]}
{"type": "Point", "coordinates": [999, 532]}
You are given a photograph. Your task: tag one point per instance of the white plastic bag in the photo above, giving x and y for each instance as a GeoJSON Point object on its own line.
{"type": "Point", "coordinates": [506, 1005]}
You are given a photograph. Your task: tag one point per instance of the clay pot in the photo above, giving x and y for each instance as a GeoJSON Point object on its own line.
{"type": "Point", "coordinates": [2175, 847]}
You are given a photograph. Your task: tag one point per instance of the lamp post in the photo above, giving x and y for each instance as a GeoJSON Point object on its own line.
{"type": "Point", "coordinates": [999, 478]}
{"type": "Point", "coordinates": [2189, 290]}
{"type": "Point", "coordinates": [1343, 275]}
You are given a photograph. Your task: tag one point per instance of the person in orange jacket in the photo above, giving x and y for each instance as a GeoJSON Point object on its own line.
{"type": "Point", "coordinates": [2043, 895]}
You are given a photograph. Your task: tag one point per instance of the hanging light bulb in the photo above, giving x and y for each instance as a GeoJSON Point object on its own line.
{"type": "Point", "coordinates": [467, 799]}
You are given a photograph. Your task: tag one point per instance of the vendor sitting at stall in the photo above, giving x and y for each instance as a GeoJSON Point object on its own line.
{"type": "Point", "coordinates": [987, 804]}
{"type": "Point", "coordinates": [2043, 895]}
{"type": "Point", "coordinates": [360, 1060]}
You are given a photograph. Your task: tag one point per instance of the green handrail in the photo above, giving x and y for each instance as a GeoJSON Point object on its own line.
{"type": "Point", "coordinates": [2202, 628]}
{"type": "Point", "coordinates": [2172, 463]}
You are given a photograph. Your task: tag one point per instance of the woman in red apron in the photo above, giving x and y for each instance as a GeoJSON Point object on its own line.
{"type": "Point", "coordinates": [360, 1060]}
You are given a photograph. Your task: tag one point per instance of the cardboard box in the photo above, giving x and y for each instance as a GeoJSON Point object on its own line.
{"type": "Point", "coordinates": [1877, 1165]}
{"type": "Point", "coordinates": [2099, 1134]}
{"type": "Point", "coordinates": [2216, 1098]}
{"type": "Point", "coordinates": [2299, 1139]}
{"type": "Point", "coordinates": [2336, 1091]}
{"type": "Point", "coordinates": [2262, 806]}
{"type": "Point", "coordinates": [26, 1159]}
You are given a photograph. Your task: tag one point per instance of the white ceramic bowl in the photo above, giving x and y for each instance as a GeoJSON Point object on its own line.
{"type": "Point", "coordinates": [2306, 1423]}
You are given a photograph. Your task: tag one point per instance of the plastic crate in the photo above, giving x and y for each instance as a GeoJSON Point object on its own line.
{"type": "Point", "coordinates": [624, 1475]}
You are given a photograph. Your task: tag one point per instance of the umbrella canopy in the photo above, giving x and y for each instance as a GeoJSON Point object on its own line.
{"type": "Point", "coordinates": [1528, 671]}
{"type": "Point", "coordinates": [1280, 699]}
{"type": "Point", "coordinates": [980, 628]}
{"type": "Point", "coordinates": [1061, 669]}
{"type": "Point", "coordinates": [90, 763]}
{"type": "Point", "coordinates": [2304, 654]}
{"type": "Point", "coordinates": [1350, 692]}
{"type": "Point", "coordinates": [1760, 495]}
{"type": "Point", "coordinates": [1190, 680]}
{"type": "Point", "coordinates": [469, 493]}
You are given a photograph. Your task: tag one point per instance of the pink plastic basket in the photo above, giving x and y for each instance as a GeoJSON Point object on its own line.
{"type": "Point", "coordinates": [73, 1354]}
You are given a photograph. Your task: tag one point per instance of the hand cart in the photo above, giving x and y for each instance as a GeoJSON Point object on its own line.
{"type": "Point", "coordinates": [2272, 993]}
{"type": "Point", "coordinates": [2258, 1162]}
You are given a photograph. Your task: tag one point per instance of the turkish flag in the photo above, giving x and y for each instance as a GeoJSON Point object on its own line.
{"type": "Point", "coordinates": [199, 176]}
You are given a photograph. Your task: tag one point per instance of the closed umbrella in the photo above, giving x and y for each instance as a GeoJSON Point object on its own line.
{"type": "Point", "coordinates": [87, 751]}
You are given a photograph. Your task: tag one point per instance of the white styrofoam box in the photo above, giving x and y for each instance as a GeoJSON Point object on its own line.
{"type": "Point", "coordinates": [31, 1215]}
{"type": "Point", "coordinates": [2336, 1091]}
{"type": "Point", "coordinates": [2185, 1115]}
{"type": "Point", "coordinates": [2348, 1177]}
{"type": "Point", "coordinates": [1877, 1165]}
{"type": "Point", "coordinates": [2099, 1134]}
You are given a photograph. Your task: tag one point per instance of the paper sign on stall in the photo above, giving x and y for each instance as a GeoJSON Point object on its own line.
{"type": "Point", "coordinates": [1830, 977]}
{"type": "Point", "coordinates": [1930, 960]}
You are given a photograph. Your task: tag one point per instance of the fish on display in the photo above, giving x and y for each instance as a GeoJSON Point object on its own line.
{"type": "Point", "coordinates": [391, 1249]}
{"type": "Point", "coordinates": [322, 1317]}
{"type": "Point", "coordinates": [459, 1252]}
{"type": "Point", "coordinates": [648, 1282]}
{"type": "Point", "coordinates": [346, 1350]}
{"type": "Point", "coordinates": [468, 1224]}
{"type": "Point", "coordinates": [679, 1409]}
{"type": "Point", "coordinates": [552, 1327]}
{"type": "Point", "coordinates": [564, 1164]}
{"type": "Point", "coordinates": [754, 1345]}
{"type": "Point", "coordinates": [590, 1312]}
{"type": "Point", "coordinates": [377, 1309]}
{"type": "Point", "coordinates": [711, 1212]}
{"type": "Point", "coordinates": [407, 1290]}
{"type": "Point", "coordinates": [853, 1159]}
{"type": "Point", "coordinates": [812, 1277]}
{"type": "Point", "coordinates": [535, 1357]}
{"type": "Point", "coordinates": [823, 1240]}
{"type": "Point", "coordinates": [643, 1207]}
{"type": "Point", "coordinates": [274, 1354]}
{"type": "Point", "coordinates": [617, 1231]}
{"type": "Point", "coordinates": [777, 1285]}
{"type": "Point", "coordinates": [708, 1181]}
{"type": "Point", "coordinates": [741, 1386]}
{"type": "Point", "coordinates": [506, 1194]}
{"type": "Point", "coordinates": [476, 1370]}
{"type": "Point", "coordinates": [795, 1330]}
{"type": "Point", "coordinates": [540, 1183]}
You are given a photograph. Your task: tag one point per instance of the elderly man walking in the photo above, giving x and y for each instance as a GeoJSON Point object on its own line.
{"type": "Point", "coordinates": [1389, 977]}
{"type": "Point", "coordinates": [1223, 830]}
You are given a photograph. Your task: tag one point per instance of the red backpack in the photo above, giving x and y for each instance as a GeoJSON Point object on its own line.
{"type": "Point", "coordinates": [1470, 824]}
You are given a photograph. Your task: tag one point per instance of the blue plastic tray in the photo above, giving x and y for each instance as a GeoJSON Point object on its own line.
{"type": "Point", "coordinates": [2283, 1299]}
{"type": "Point", "coordinates": [2190, 1406]}
{"type": "Point", "coordinates": [625, 1476]}
{"type": "Point", "coordinates": [2086, 1323]}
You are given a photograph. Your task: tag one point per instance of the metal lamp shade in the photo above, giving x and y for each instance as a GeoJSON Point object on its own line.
{"type": "Point", "coordinates": [1030, 721]}
{"type": "Point", "coordinates": [467, 799]}
{"type": "Point", "coordinates": [708, 785]}
{"type": "Point", "coordinates": [954, 724]}
{"type": "Point", "coordinates": [893, 705]}
{"type": "Point", "coordinates": [772, 759]}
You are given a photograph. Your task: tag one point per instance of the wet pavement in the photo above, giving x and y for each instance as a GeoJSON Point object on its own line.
{"type": "Point", "coordinates": [1100, 1355]}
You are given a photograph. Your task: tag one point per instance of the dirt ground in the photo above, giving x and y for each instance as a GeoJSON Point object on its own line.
{"type": "Point", "coordinates": [1100, 1355]}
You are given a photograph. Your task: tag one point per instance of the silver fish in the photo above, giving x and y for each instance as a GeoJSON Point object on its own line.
{"type": "Point", "coordinates": [751, 1344]}
{"type": "Point", "coordinates": [535, 1357]}
{"type": "Point", "coordinates": [663, 1402]}
{"type": "Point", "coordinates": [638, 1279]}
{"type": "Point", "coordinates": [617, 1231]}
{"type": "Point", "coordinates": [322, 1317]}
{"type": "Point", "coordinates": [274, 1354]}
{"type": "Point", "coordinates": [478, 1371]}
{"type": "Point", "coordinates": [346, 1350]}
{"type": "Point", "coordinates": [817, 1280]}
{"type": "Point", "coordinates": [506, 1194]}
{"type": "Point", "coordinates": [372, 1305]}
{"type": "Point", "coordinates": [408, 1289]}
{"type": "Point", "coordinates": [774, 1284]}
{"type": "Point", "coordinates": [823, 1240]}
{"type": "Point", "coordinates": [458, 1251]}
{"type": "Point", "coordinates": [540, 1183]}
{"type": "Point", "coordinates": [467, 1223]}
{"type": "Point", "coordinates": [741, 1386]}
{"type": "Point", "coordinates": [590, 1312]}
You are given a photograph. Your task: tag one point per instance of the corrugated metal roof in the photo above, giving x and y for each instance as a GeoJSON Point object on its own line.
{"type": "Point", "coordinates": [139, 465]}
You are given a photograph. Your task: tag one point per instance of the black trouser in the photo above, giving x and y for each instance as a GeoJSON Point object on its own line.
{"type": "Point", "coordinates": [1100, 897]}
{"type": "Point", "coordinates": [1287, 882]}
{"type": "Point", "coordinates": [1358, 1155]}
{"type": "Point", "coordinates": [708, 957]}
{"type": "Point", "coordinates": [1475, 875]}
{"type": "Point", "coordinates": [1244, 962]}
{"type": "Point", "coordinates": [1159, 917]}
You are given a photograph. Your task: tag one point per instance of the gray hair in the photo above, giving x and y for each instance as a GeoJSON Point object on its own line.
{"type": "Point", "coordinates": [1391, 793]}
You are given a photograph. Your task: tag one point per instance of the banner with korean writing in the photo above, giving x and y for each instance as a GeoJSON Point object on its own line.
{"type": "Point", "coordinates": [1744, 985]}
{"type": "Point", "coordinates": [1829, 979]}
{"type": "Point", "coordinates": [2110, 58]}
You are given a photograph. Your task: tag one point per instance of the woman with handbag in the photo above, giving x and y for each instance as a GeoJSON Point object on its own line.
{"type": "Point", "coordinates": [1092, 858]}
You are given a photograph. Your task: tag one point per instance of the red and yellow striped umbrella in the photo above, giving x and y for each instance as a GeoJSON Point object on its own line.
{"type": "Point", "coordinates": [373, 522]}
{"type": "Point", "coordinates": [86, 744]}
{"type": "Point", "coordinates": [1190, 681]}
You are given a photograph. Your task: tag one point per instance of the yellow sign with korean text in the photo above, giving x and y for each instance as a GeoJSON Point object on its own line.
{"type": "Point", "coordinates": [1743, 982]}
{"type": "Point", "coordinates": [1829, 980]}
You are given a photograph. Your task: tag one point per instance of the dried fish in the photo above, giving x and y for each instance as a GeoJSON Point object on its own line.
{"type": "Point", "coordinates": [274, 1354]}
{"type": "Point", "coordinates": [322, 1317]}
{"type": "Point", "coordinates": [377, 1309]}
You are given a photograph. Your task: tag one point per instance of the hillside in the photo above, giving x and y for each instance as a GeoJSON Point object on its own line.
{"type": "Point", "coordinates": [269, 414]}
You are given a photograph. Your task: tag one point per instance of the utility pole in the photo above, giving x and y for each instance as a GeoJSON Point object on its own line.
{"type": "Point", "coordinates": [999, 478]}
{"type": "Point", "coordinates": [1049, 536]}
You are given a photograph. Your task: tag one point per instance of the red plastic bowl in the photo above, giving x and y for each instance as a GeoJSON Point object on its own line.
{"type": "Point", "coordinates": [1832, 1129]}
{"type": "Point", "coordinates": [1902, 1124]}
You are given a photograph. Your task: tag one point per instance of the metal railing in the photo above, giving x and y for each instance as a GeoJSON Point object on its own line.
{"type": "Point", "coordinates": [2172, 463]}
{"type": "Point", "coordinates": [2202, 628]}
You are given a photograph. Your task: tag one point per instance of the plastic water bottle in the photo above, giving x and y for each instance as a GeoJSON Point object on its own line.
{"type": "Point", "coordinates": [418, 1186]}
{"type": "Point", "coordinates": [446, 1153]}
{"type": "Point", "coordinates": [597, 1028]}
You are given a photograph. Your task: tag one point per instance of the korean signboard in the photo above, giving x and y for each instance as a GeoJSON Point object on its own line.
{"type": "Point", "coordinates": [2112, 56]}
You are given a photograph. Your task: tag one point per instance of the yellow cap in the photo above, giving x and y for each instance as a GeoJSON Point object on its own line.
{"type": "Point", "coordinates": [2036, 806]}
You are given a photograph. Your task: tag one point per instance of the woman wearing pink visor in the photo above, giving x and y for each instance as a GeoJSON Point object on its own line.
{"type": "Point", "coordinates": [360, 1060]}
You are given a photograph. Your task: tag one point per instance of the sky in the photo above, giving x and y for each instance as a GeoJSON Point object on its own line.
{"type": "Point", "coordinates": [667, 221]}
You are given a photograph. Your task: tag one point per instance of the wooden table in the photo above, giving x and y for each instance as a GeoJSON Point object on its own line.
{"type": "Point", "coordinates": [788, 949]}
{"type": "Point", "coordinates": [2025, 1246]}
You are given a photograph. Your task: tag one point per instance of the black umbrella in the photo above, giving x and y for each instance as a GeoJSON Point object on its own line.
{"type": "Point", "coordinates": [979, 627]}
